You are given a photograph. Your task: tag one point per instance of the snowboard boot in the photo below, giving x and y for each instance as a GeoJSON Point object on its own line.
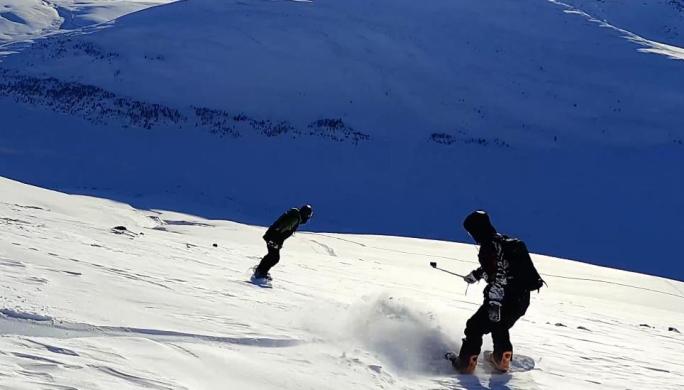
{"type": "Point", "coordinates": [257, 277]}
{"type": "Point", "coordinates": [501, 361]}
{"type": "Point", "coordinates": [465, 365]}
{"type": "Point", "coordinates": [260, 275]}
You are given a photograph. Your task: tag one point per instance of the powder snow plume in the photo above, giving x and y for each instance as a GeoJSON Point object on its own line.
{"type": "Point", "coordinates": [401, 333]}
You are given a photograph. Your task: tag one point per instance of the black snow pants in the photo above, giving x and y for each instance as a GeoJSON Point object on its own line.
{"type": "Point", "coordinates": [271, 259]}
{"type": "Point", "coordinates": [479, 324]}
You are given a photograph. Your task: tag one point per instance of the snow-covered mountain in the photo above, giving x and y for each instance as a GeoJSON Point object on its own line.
{"type": "Point", "coordinates": [660, 21]}
{"type": "Point", "coordinates": [22, 20]}
{"type": "Point", "coordinates": [164, 304]}
{"type": "Point", "coordinates": [466, 69]}
{"type": "Point", "coordinates": [389, 116]}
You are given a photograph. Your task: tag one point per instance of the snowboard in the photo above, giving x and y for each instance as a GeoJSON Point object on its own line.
{"type": "Point", "coordinates": [519, 363]}
{"type": "Point", "coordinates": [260, 282]}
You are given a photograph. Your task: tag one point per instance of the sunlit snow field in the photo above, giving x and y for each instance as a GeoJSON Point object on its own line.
{"type": "Point", "coordinates": [30, 19]}
{"type": "Point", "coordinates": [389, 116]}
{"type": "Point", "coordinates": [161, 307]}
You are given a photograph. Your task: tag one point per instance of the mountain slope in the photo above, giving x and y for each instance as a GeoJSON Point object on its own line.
{"type": "Point", "coordinates": [478, 68]}
{"type": "Point", "coordinates": [657, 20]}
{"type": "Point", "coordinates": [29, 19]}
{"type": "Point", "coordinates": [159, 306]}
{"type": "Point", "coordinates": [390, 117]}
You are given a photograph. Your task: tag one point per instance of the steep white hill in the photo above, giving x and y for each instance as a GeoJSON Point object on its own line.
{"type": "Point", "coordinates": [388, 68]}
{"type": "Point", "coordinates": [161, 307]}
{"type": "Point", "coordinates": [392, 117]}
{"type": "Point", "coordinates": [29, 19]}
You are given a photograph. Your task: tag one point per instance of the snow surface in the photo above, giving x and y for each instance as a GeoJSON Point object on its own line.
{"type": "Point", "coordinates": [390, 116]}
{"type": "Point", "coordinates": [656, 20]}
{"type": "Point", "coordinates": [160, 307]}
{"type": "Point", "coordinates": [385, 72]}
{"type": "Point", "coordinates": [29, 19]}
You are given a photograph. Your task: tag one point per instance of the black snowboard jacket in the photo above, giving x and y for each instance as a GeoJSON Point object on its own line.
{"type": "Point", "coordinates": [496, 267]}
{"type": "Point", "coordinates": [283, 227]}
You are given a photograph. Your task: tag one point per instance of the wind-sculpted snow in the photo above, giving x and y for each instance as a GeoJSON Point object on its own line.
{"type": "Point", "coordinates": [84, 308]}
{"type": "Point", "coordinates": [25, 18]}
{"type": "Point", "coordinates": [29, 19]}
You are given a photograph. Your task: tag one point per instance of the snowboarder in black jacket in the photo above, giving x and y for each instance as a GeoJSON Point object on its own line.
{"type": "Point", "coordinates": [507, 268]}
{"type": "Point", "coordinates": [275, 236]}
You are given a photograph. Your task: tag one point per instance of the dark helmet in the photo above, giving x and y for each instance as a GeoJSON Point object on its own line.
{"type": "Point", "coordinates": [306, 212]}
{"type": "Point", "coordinates": [479, 226]}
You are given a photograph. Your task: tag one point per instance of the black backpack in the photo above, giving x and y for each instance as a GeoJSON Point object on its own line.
{"type": "Point", "coordinates": [523, 273]}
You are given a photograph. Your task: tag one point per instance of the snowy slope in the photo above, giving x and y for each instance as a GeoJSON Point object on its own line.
{"type": "Point", "coordinates": [29, 19]}
{"type": "Point", "coordinates": [393, 117]}
{"type": "Point", "coordinates": [161, 308]}
{"type": "Point", "coordinates": [475, 67]}
{"type": "Point", "coordinates": [657, 20]}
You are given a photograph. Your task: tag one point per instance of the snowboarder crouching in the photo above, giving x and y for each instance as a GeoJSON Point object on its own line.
{"type": "Point", "coordinates": [506, 266]}
{"type": "Point", "coordinates": [276, 235]}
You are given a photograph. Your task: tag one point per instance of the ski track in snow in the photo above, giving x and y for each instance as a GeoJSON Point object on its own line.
{"type": "Point", "coordinates": [84, 308]}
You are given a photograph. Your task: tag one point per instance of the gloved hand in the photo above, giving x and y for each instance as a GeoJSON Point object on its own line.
{"type": "Point", "coordinates": [470, 278]}
{"type": "Point", "coordinates": [494, 311]}
{"type": "Point", "coordinates": [272, 244]}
